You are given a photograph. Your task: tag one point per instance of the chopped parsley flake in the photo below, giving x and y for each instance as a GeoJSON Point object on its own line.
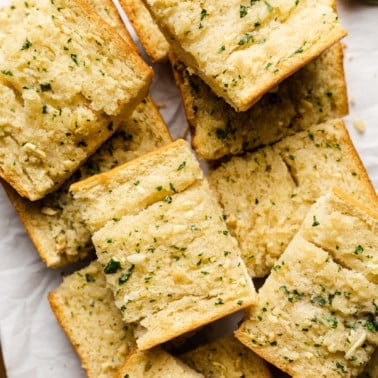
{"type": "Point", "coordinates": [112, 266]}
{"type": "Point", "coordinates": [26, 44]}
{"type": "Point", "coordinates": [89, 278]}
{"type": "Point", "coordinates": [126, 275]}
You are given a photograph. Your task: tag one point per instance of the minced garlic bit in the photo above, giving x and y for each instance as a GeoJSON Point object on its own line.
{"type": "Point", "coordinates": [359, 125]}
{"type": "Point", "coordinates": [48, 211]}
{"type": "Point", "coordinates": [136, 258]}
{"type": "Point", "coordinates": [34, 149]}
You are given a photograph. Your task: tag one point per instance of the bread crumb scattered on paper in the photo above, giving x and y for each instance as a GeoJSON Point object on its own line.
{"type": "Point", "coordinates": [359, 125]}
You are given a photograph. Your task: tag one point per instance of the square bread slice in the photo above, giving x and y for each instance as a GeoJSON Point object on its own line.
{"type": "Point", "coordinates": [226, 357]}
{"type": "Point", "coordinates": [149, 34]}
{"type": "Point", "coordinates": [315, 316]}
{"type": "Point", "coordinates": [244, 49]}
{"type": "Point", "coordinates": [54, 223]}
{"type": "Point", "coordinates": [312, 95]}
{"type": "Point", "coordinates": [276, 185]}
{"type": "Point", "coordinates": [165, 249]}
{"type": "Point", "coordinates": [84, 307]}
{"type": "Point", "coordinates": [155, 363]}
{"type": "Point", "coordinates": [67, 79]}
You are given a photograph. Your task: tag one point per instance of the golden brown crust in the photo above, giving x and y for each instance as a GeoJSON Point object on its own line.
{"type": "Point", "coordinates": [153, 41]}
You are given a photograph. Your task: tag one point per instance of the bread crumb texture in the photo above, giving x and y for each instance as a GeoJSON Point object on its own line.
{"type": "Point", "coordinates": [226, 357]}
{"type": "Point", "coordinates": [310, 96]}
{"type": "Point", "coordinates": [277, 184]}
{"type": "Point", "coordinates": [316, 315]}
{"type": "Point", "coordinates": [232, 45]}
{"type": "Point", "coordinates": [65, 82]}
{"type": "Point", "coordinates": [169, 258]}
{"type": "Point", "coordinates": [130, 188]}
{"type": "Point", "coordinates": [155, 363]}
{"type": "Point", "coordinates": [85, 308]}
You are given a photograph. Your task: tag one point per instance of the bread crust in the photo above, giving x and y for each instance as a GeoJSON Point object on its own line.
{"type": "Point", "coordinates": [153, 41]}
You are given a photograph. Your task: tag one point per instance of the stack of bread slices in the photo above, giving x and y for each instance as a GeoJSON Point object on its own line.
{"type": "Point", "coordinates": [175, 234]}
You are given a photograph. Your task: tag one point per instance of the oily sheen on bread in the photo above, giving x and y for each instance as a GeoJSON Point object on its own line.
{"type": "Point", "coordinates": [316, 313]}
{"type": "Point", "coordinates": [157, 225]}
{"type": "Point", "coordinates": [242, 50]}
{"type": "Point", "coordinates": [275, 185]}
{"type": "Point", "coordinates": [66, 89]}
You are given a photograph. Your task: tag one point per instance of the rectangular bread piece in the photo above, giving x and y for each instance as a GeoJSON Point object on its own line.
{"type": "Point", "coordinates": [155, 363]}
{"type": "Point", "coordinates": [164, 230]}
{"type": "Point", "coordinates": [316, 314]}
{"type": "Point", "coordinates": [67, 87]}
{"type": "Point", "coordinates": [242, 50]}
{"type": "Point", "coordinates": [84, 307]}
{"type": "Point", "coordinates": [226, 357]}
{"type": "Point", "coordinates": [276, 185]}
{"type": "Point", "coordinates": [312, 95]}
{"type": "Point", "coordinates": [149, 34]}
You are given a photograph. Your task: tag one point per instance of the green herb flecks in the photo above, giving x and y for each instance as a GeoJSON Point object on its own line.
{"type": "Point", "coordinates": [74, 59]}
{"type": "Point", "coordinates": [45, 87]}
{"type": "Point", "coordinates": [112, 266]}
{"type": "Point", "coordinates": [26, 44]}
{"type": "Point", "coordinates": [126, 275]}
{"type": "Point", "coordinates": [89, 278]}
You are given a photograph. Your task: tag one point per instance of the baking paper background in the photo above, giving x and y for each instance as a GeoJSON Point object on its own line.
{"type": "Point", "coordinates": [33, 344]}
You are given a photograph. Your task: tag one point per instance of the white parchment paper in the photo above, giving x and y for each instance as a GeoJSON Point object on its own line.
{"type": "Point", "coordinates": [33, 344]}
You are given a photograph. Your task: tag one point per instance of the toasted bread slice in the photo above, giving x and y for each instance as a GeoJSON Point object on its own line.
{"type": "Point", "coordinates": [67, 79]}
{"type": "Point", "coordinates": [85, 309]}
{"type": "Point", "coordinates": [226, 357]}
{"type": "Point", "coordinates": [54, 223]}
{"type": "Point", "coordinates": [156, 224]}
{"type": "Point", "coordinates": [242, 50]}
{"type": "Point", "coordinates": [316, 312]}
